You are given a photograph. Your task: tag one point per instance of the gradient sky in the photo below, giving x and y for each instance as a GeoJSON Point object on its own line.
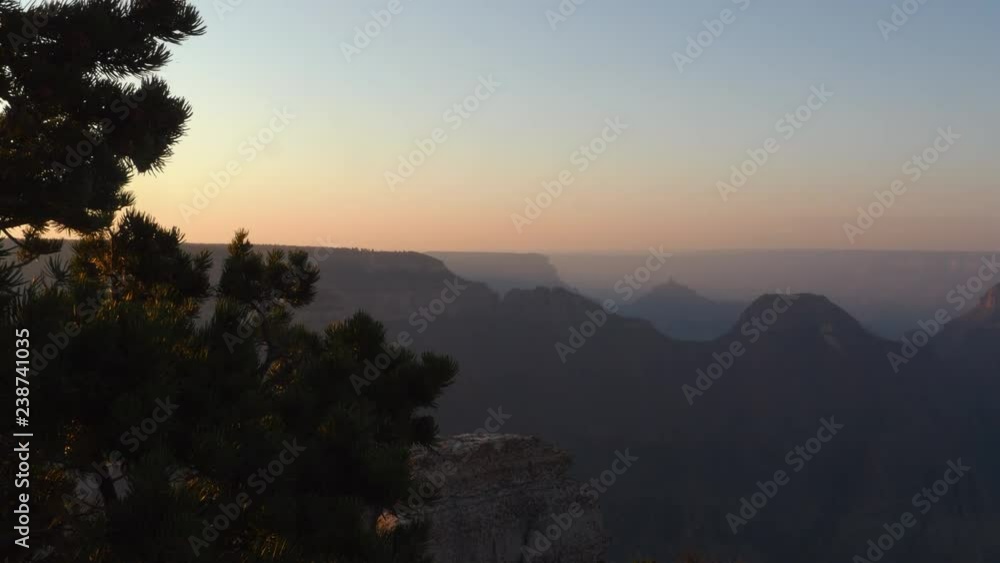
{"type": "Point", "coordinates": [321, 181]}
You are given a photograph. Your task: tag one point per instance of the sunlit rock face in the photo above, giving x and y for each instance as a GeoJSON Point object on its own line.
{"type": "Point", "coordinates": [504, 498]}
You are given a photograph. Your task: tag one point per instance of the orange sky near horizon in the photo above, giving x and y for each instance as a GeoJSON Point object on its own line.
{"type": "Point", "coordinates": [314, 136]}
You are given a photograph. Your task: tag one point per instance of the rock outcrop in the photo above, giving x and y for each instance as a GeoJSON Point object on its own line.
{"type": "Point", "coordinates": [504, 498]}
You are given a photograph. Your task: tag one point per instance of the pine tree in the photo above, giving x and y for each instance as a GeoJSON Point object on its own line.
{"type": "Point", "coordinates": [82, 111]}
{"type": "Point", "coordinates": [233, 394]}
{"type": "Point", "coordinates": [177, 420]}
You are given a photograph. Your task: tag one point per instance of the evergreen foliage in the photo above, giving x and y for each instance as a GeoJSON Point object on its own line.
{"type": "Point", "coordinates": [176, 419]}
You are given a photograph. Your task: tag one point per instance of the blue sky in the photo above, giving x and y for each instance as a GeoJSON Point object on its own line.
{"type": "Point", "coordinates": [323, 178]}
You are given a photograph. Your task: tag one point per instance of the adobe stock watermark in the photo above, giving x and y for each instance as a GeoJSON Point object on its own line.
{"type": "Point", "coordinates": [562, 13]}
{"type": "Point", "coordinates": [581, 159]}
{"type": "Point", "coordinates": [596, 318]}
{"type": "Point", "coordinates": [913, 169]}
{"type": "Point", "coordinates": [258, 483]}
{"type": "Point", "coordinates": [248, 150]}
{"type": "Point", "coordinates": [366, 34]}
{"type": "Point", "coordinates": [455, 116]}
{"type": "Point", "coordinates": [786, 128]}
{"type": "Point", "coordinates": [796, 458]}
{"type": "Point", "coordinates": [540, 542]}
{"type": "Point", "coordinates": [421, 320]}
{"type": "Point", "coordinates": [121, 108]}
{"type": "Point", "coordinates": [29, 28]}
{"type": "Point", "coordinates": [900, 16]}
{"type": "Point", "coordinates": [697, 43]}
{"type": "Point", "coordinates": [112, 469]}
{"type": "Point", "coordinates": [959, 298]}
{"type": "Point", "coordinates": [632, 282]}
{"type": "Point", "coordinates": [271, 300]}
{"type": "Point", "coordinates": [752, 330]}
{"type": "Point", "coordinates": [254, 318]}
{"type": "Point", "coordinates": [223, 7]}
{"type": "Point", "coordinates": [924, 501]}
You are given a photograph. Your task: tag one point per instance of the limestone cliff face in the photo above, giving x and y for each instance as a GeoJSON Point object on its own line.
{"type": "Point", "coordinates": [496, 497]}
